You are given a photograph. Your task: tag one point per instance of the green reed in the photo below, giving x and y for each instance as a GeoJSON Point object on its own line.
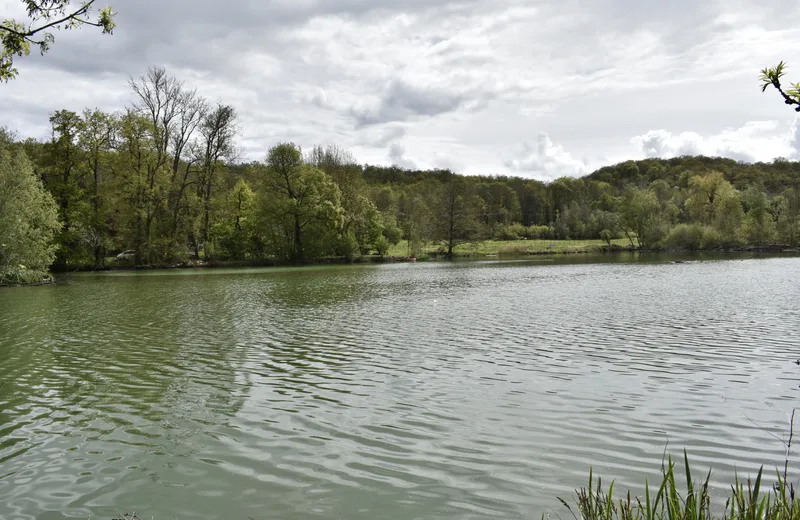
{"type": "Point", "coordinates": [747, 501]}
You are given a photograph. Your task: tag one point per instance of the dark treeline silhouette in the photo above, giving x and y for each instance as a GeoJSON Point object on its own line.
{"type": "Point", "coordinates": [162, 178]}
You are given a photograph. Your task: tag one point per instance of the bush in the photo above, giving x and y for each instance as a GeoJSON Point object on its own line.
{"type": "Point", "coordinates": [382, 245]}
{"type": "Point", "coordinates": [712, 239]}
{"type": "Point", "coordinates": [538, 232]}
{"type": "Point", "coordinates": [348, 247]}
{"type": "Point", "coordinates": [510, 232]}
{"type": "Point", "coordinates": [685, 236]}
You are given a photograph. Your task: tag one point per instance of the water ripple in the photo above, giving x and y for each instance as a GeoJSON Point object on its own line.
{"type": "Point", "coordinates": [447, 390]}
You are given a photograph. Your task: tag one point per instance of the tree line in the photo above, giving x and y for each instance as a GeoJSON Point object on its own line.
{"type": "Point", "coordinates": [163, 178]}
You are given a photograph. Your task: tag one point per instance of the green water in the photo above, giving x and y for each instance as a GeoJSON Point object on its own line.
{"type": "Point", "coordinates": [406, 391]}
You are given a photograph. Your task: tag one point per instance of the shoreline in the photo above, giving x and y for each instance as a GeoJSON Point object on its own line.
{"type": "Point", "coordinates": [432, 256]}
{"type": "Point", "coordinates": [426, 257]}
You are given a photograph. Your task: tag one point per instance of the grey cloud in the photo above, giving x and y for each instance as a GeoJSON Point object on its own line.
{"type": "Point", "coordinates": [384, 136]}
{"type": "Point", "coordinates": [402, 102]}
{"type": "Point", "coordinates": [397, 157]}
{"type": "Point", "coordinates": [434, 77]}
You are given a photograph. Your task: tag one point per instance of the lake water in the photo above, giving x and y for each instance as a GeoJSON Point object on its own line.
{"type": "Point", "coordinates": [458, 390]}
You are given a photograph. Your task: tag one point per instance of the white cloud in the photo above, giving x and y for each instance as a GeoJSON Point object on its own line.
{"type": "Point", "coordinates": [754, 141]}
{"type": "Point", "coordinates": [458, 81]}
{"type": "Point", "coordinates": [544, 160]}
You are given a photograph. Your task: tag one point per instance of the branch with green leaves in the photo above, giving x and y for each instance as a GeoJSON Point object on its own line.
{"type": "Point", "coordinates": [772, 76]}
{"type": "Point", "coordinates": [43, 15]}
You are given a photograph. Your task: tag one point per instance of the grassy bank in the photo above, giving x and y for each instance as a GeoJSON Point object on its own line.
{"type": "Point", "coordinates": [514, 247]}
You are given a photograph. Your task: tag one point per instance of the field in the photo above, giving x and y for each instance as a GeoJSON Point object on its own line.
{"type": "Point", "coordinates": [514, 247]}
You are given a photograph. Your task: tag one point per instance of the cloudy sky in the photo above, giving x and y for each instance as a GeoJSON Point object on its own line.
{"type": "Point", "coordinates": [538, 88]}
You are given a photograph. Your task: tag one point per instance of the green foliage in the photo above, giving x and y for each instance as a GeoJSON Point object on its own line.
{"type": "Point", "coordinates": [687, 236]}
{"type": "Point", "coordinates": [514, 231]}
{"type": "Point", "coordinates": [772, 76]}
{"type": "Point", "coordinates": [382, 245]}
{"type": "Point", "coordinates": [759, 226]}
{"type": "Point", "coordinates": [787, 207]}
{"type": "Point", "coordinates": [17, 37]}
{"type": "Point", "coordinates": [537, 232]}
{"type": "Point", "coordinates": [162, 178]}
{"type": "Point", "coordinates": [301, 208]}
{"type": "Point", "coordinates": [456, 211]}
{"type": "Point", "coordinates": [236, 227]}
{"type": "Point", "coordinates": [646, 217]}
{"type": "Point", "coordinates": [28, 218]}
{"type": "Point", "coordinates": [748, 500]}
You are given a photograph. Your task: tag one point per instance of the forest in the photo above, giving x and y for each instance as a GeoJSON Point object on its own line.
{"type": "Point", "coordinates": [162, 179]}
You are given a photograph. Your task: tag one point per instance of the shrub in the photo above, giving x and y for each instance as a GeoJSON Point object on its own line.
{"type": "Point", "coordinates": [685, 236]}
{"type": "Point", "coordinates": [537, 232]}
{"type": "Point", "coordinates": [510, 232]}
{"type": "Point", "coordinates": [382, 245]}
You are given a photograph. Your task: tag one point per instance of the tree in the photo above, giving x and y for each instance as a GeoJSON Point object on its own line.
{"type": "Point", "coordinates": [17, 37]}
{"type": "Point", "coordinates": [28, 218]}
{"type": "Point", "coordinates": [643, 215]}
{"type": "Point", "coordinates": [415, 218]}
{"type": "Point", "coordinates": [62, 172]}
{"type": "Point", "coordinates": [789, 215]}
{"type": "Point", "coordinates": [758, 227]}
{"type": "Point", "coordinates": [96, 140]}
{"type": "Point", "coordinates": [362, 221]}
{"type": "Point", "coordinates": [300, 204]}
{"type": "Point", "coordinates": [456, 210]}
{"type": "Point", "coordinates": [159, 118]}
{"type": "Point", "coordinates": [235, 228]}
{"type": "Point", "coordinates": [706, 194]}
{"type": "Point", "coordinates": [772, 77]}
{"type": "Point", "coordinates": [217, 133]}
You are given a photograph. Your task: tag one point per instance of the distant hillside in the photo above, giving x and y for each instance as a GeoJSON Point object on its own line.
{"type": "Point", "coordinates": [773, 177]}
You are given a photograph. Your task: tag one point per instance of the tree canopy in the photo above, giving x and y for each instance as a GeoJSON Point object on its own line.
{"type": "Point", "coordinates": [28, 218]}
{"type": "Point", "coordinates": [163, 178]}
{"type": "Point", "coordinates": [17, 37]}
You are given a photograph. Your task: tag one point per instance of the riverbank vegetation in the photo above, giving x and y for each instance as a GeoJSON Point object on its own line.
{"type": "Point", "coordinates": [750, 500]}
{"type": "Point", "coordinates": [163, 179]}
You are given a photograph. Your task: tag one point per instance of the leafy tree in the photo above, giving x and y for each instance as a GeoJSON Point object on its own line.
{"type": "Point", "coordinates": [217, 130]}
{"type": "Point", "coordinates": [415, 217]}
{"type": "Point", "coordinates": [758, 227]}
{"type": "Point", "coordinates": [362, 221]}
{"type": "Point", "coordinates": [236, 227]}
{"type": "Point", "coordinates": [63, 171]}
{"type": "Point", "coordinates": [456, 210]}
{"type": "Point", "coordinates": [17, 37]}
{"type": "Point", "coordinates": [788, 223]}
{"type": "Point", "coordinates": [301, 205]}
{"type": "Point", "coordinates": [645, 217]}
{"type": "Point", "coordinates": [96, 141]}
{"type": "Point", "coordinates": [28, 218]}
{"type": "Point", "coordinates": [707, 193]}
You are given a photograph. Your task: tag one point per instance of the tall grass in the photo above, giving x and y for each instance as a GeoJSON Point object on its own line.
{"type": "Point", "coordinates": [747, 500]}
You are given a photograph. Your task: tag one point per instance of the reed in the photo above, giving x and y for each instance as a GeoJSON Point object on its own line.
{"type": "Point", "coordinates": [748, 500]}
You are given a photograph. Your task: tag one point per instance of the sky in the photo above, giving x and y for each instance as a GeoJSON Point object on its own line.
{"type": "Point", "coordinates": [536, 88]}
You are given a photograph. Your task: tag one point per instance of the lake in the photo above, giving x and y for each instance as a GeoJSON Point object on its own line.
{"type": "Point", "coordinates": [448, 390]}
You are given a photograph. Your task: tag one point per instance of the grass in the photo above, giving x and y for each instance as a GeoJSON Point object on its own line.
{"type": "Point", "coordinates": [747, 501]}
{"type": "Point", "coordinates": [515, 247]}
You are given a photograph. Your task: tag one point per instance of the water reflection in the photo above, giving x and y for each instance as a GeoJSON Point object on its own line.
{"type": "Point", "coordinates": [448, 390]}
